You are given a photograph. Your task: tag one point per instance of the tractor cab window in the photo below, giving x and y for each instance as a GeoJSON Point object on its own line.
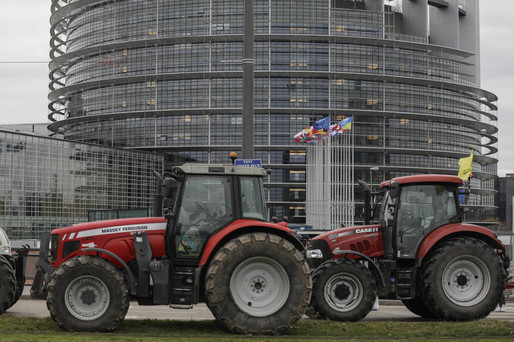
{"type": "Point", "coordinates": [206, 206]}
{"type": "Point", "coordinates": [422, 208]}
{"type": "Point", "coordinates": [252, 202]}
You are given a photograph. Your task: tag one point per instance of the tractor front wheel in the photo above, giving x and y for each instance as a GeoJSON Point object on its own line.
{"type": "Point", "coordinates": [258, 283]}
{"type": "Point", "coordinates": [87, 293]}
{"type": "Point", "coordinates": [343, 290]}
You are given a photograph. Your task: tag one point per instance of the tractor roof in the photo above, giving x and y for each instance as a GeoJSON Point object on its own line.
{"type": "Point", "coordinates": [423, 179]}
{"type": "Point", "coordinates": [218, 169]}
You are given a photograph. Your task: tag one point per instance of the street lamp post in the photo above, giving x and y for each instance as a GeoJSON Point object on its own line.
{"type": "Point", "coordinates": [248, 68]}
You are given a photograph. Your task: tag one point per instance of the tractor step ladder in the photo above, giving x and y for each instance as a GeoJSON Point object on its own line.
{"type": "Point", "coordinates": [185, 285]}
{"type": "Point", "coordinates": [404, 283]}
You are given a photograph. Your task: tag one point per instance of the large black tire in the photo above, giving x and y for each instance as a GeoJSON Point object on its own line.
{"type": "Point", "coordinates": [19, 263]}
{"type": "Point", "coordinates": [18, 292]}
{"type": "Point", "coordinates": [87, 293]}
{"type": "Point", "coordinates": [7, 284]}
{"type": "Point", "coordinates": [258, 284]}
{"type": "Point", "coordinates": [417, 306]}
{"type": "Point", "coordinates": [20, 285]}
{"type": "Point", "coordinates": [343, 290]}
{"type": "Point", "coordinates": [462, 280]}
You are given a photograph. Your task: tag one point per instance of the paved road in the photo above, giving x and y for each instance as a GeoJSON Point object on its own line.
{"type": "Point", "coordinates": [388, 311]}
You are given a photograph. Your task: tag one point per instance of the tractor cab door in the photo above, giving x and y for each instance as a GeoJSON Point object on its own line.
{"type": "Point", "coordinates": [421, 209]}
{"type": "Point", "coordinates": [205, 206]}
{"type": "Point", "coordinates": [386, 220]}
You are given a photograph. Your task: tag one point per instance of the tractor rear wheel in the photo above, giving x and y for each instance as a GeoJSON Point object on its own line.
{"type": "Point", "coordinates": [87, 293]}
{"type": "Point", "coordinates": [417, 306]}
{"type": "Point", "coordinates": [462, 280]}
{"type": "Point", "coordinates": [343, 290]}
{"type": "Point", "coordinates": [258, 283]}
{"type": "Point", "coordinates": [7, 284]}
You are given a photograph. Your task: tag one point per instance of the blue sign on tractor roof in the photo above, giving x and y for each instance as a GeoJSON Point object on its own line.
{"type": "Point", "coordinates": [248, 162]}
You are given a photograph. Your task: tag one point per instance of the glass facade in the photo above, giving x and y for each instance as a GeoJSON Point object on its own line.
{"type": "Point", "coordinates": [47, 183]}
{"type": "Point", "coordinates": [166, 76]}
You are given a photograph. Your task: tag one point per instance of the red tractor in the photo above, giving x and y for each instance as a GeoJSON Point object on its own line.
{"type": "Point", "coordinates": [420, 252]}
{"type": "Point", "coordinates": [215, 246]}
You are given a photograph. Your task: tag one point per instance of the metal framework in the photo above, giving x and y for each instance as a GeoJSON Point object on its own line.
{"type": "Point", "coordinates": [330, 180]}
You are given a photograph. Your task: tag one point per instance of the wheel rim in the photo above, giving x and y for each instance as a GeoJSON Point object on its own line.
{"type": "Point", "coordinates": [87, 298]}
{"type": "Point", "coordinates": [343, 292]}
{"type": "Point", "coordinates": [259, 286]}
{"type": "Point", "coordinates": [466, 280]}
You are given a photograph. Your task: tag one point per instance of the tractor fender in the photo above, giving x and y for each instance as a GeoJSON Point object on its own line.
{"type": "Point", "coordinates": [130, 276]}
{"type": "Point", "coordinates": [374, 269]}
{"type": "Point", "coordinates": [244, 226]}
{"type": "Point", "coordinates": [458, 229]}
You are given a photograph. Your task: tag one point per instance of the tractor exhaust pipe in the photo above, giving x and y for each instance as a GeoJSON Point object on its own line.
{"type": "Point", "coordinates": [157, 199]}
{"type": "Point", "coordinates": [367, 201]}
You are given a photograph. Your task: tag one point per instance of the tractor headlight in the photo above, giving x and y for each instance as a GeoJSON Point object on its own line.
{"type": "Point", "coordinates": [54, 245]}
{"type": "Point", "coordinates": [5, 250]}
{"type": "Point", "coordinates": [314, 254]}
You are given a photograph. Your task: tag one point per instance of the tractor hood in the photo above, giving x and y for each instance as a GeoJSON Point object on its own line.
{"type": "Point", "coordinates": [334, 235]}
{"type": "Point", "coordinates": [116, 236]}
{"type": "Point", "coordinates": [361, 239]}
{"type": "Point", "coordinates": [109, 227]}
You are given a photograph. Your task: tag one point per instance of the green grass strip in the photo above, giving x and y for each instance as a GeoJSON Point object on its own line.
{"type": "Point", "coordinates": [15, 328]}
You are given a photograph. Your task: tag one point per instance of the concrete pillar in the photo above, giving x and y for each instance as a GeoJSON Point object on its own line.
{"type": "Point", "coordinates": [444, 25]}
{"type": "Point", "coordinates": [415, 17]}
{"type": "Point", "coordinates": [374, 5]}
{"type": "Point", "coordinates": [469, 38]}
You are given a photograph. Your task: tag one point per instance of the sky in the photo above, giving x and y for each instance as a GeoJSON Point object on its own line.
{"type": "Point", "coordinates": [24, 57]}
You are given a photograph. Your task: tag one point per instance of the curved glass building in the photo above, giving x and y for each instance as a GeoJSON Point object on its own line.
{"type": "Point", "coordinates": [167, 76]}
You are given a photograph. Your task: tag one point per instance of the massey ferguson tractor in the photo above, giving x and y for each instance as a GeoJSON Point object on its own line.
{"type": "Point", "coordinates": [214, 246]}
{"type": "Point", "coordinates": [419, 252]}
{"type": "Point", "coordinates": [12, 272]}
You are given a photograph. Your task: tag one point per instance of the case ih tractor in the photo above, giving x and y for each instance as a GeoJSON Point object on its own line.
{"type": "Point", "coordinates": [419, 252]}
{"type": "Point", "coordinates": [215, 247]}
{"type": "Point", "coordinates": [12, 272]}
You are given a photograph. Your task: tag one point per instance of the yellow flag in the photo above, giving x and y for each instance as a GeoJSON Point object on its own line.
{"type": "Point", "coordinates": [465, 166]}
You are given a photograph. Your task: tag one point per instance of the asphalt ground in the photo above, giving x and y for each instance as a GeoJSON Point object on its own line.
{"type": "Point", "coordinates": [389, 310]}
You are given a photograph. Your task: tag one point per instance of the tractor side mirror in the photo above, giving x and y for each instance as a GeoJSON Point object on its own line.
{"type": "Point", "coordinates": [394, 191]}
{"type": "Point", "coordinates": [168, 212]}
{"type": "Point", "coordinates": [168, 188]}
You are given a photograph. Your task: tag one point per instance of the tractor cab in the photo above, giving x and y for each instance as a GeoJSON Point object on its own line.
{"type": "Point", "coordinates": [412, 207]}
{"type": "Point", "coordinates": [208, 199]}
